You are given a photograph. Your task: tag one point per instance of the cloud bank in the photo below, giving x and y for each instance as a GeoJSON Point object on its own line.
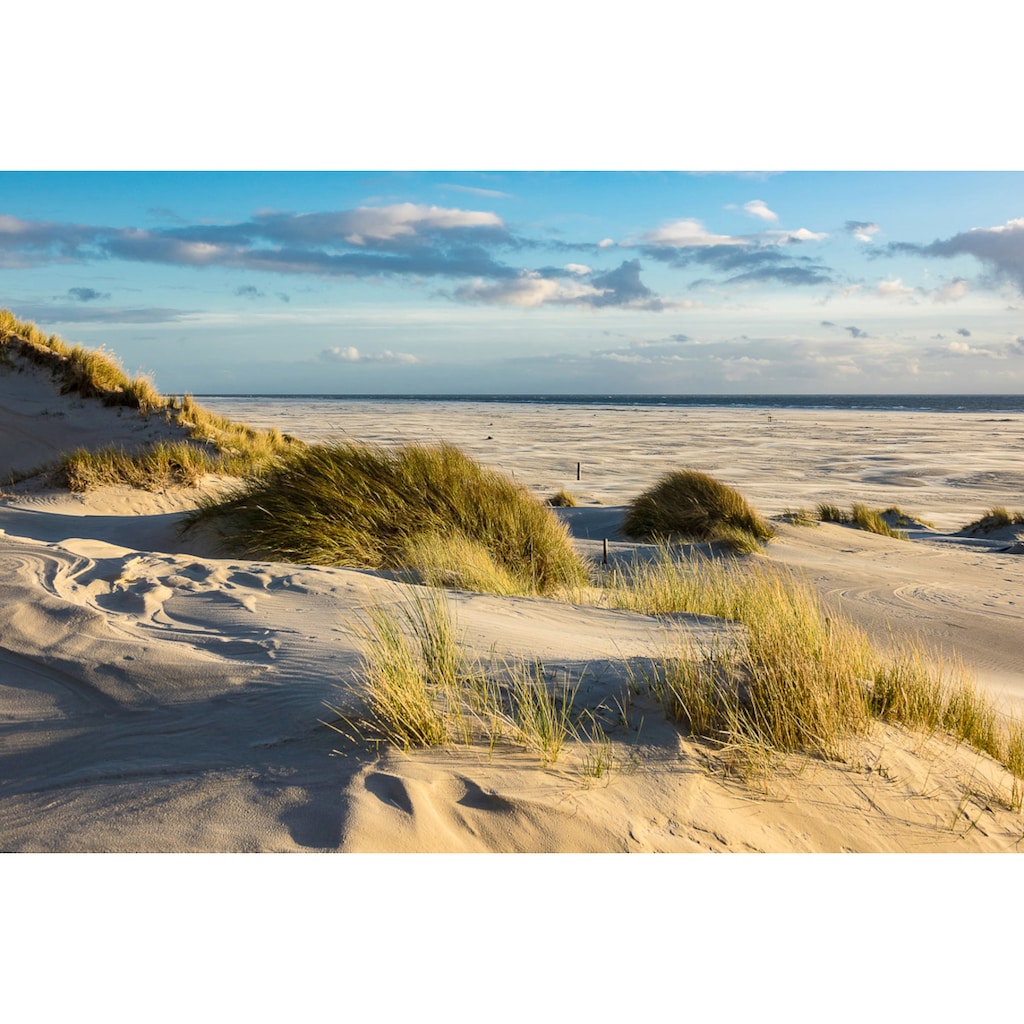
{"type": "Point", "coordinates": [999, 249]}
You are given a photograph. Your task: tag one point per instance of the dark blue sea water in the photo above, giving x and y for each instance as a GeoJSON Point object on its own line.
{"type": "Point", "coordinates": [909, 403]}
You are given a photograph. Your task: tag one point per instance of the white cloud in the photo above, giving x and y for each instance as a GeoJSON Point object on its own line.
{"type": "Point", "coordinates": [606, 243]}
{"type": "Point", "coordinates": [489, 193]}
{"type": "Point", "coordinates": [894, 288]}
{"type": "Point", "coordinates": [691, 234]}
{"type": "Point", "coordinates": [386, 223]}
{"type": "Point", "coordinates": [12, 225]}
{"type": "Point", "coordinates": [387, 356]}
{"type": "Point", "coordinates": [527, 290]}
{"type": "Point", "coordinates": [800, 235]}
{"type": "Point", "coordinates": [578, 268]}
{"type": "Point", "coordinates": [341, 355]}
{"type": "Point", "coordinates": [637, 358]}
{"type": "Point", "coordinates": [951, 291]}
{"type": "Point", "coordinates": [863, 231]}
{"type": "Point", "coordinates": [961, 348]}
{"type": "Point", "coordinates": [688, 233]}
{"type": "Point", "coordinates": [757, 208]}
{"type": "Point", "coordinates": [350, 354]}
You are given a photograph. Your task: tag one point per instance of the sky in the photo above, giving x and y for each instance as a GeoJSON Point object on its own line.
{"type": "Point", "coordinates": [411, 282]}
{"type": "Point", "coordinates": [419, 199]}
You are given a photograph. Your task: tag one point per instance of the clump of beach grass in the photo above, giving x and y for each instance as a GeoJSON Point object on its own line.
{"type": "Point", "coordinates": [799, 677]}
{"type": "Point", "coordinates": [794, 681]}
{"type": "Point", "coordinates": [151, 468]}
{"type": "Point", "coordinates": [862, 517]}
{"type": "Point", "coordinates": [419, 690]}
{"type": "Point", "coordinates": [456, 562]}
{"type": "Point", "coordinates": [898, 519]}
{"type": "Point", "coordinates": [562, 499]}
{"type": "Point", "coordinates": [407, 667]}
{"type": "Point", "coordinates": [995, 519]}
{"type": "Point", "coordinates": [370, 507]}
{"type": "Point", "coordinates": [690, 505]}
{"type": "Point", "coordinates": [798, 517]}
{"type": "Point", "coordinates": [92, 373]}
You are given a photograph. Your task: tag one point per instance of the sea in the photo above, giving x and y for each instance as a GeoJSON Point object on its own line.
{"type": "Point", "coordinates": [882, 403]}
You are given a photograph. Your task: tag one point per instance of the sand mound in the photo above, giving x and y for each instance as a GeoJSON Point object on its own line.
{"type": "Point", "coordinates": [40, 424]}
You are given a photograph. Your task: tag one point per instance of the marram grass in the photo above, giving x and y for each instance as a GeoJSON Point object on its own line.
{"type": "Point", "coordinates": [92, 373]}
{"type": "Point", "coordinates": [872, 520]}
{"type": "Point", "coordinates": [798, 679]}
{"type": "Point", "coordinates": [562, 499]}
{"type": "Point", "coordinates": [417, 689]}
{"type": "Point", "coordinates": [690, 505]}
{"type": "Point", "coordinates": [210, 444]}
{"type": "Point", "coordinates": [995, 519]}
{"type": "Point", "coordinates": [801, 678]}
{"type": "Point", "coordinates": [405, 508]}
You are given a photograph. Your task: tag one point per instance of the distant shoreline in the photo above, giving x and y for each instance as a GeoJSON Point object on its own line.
{"type": "Point", "coordinates": [882, 403]}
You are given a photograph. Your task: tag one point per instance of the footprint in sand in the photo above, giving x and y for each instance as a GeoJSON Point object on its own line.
{"type": "Point", "coordinates": [389, 789]}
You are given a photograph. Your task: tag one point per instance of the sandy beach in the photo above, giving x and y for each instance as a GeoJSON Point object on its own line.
{"type": "Point", "coordinates": [158, 696]}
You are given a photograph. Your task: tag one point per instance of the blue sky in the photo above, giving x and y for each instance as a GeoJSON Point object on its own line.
{"type": "Point", "coordinates": [489, 281]}
{"type": "Point", "coordinates": [125, 219]}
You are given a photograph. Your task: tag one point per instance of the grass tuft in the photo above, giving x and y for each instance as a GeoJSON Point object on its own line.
{"type": "Point", "coordinates": [800, 678]}
{"type": "Point", "coordinates": [92, 373]}
{"type": "Point", "coordinates": [995, 519]}
{"type": "Point", "coordinates": [457, 562]}
{"type": "Point", "coordinates": [690, 505]}
{"type": "Point", "coordinates": [799, 517]}
{"type": "Point", "coordinates": [562, 499]}
{"type": "Point", "coordinates": [864, 518]}
{"type": "Point", "coordinates": [370, 507]}
{"type": "Point", "coordinates": [153, 468]}
{"type": "Point", "coordinates": [420, 691]}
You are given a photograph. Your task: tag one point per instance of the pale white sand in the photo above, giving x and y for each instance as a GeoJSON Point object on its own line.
{"type": "Point", "coordinates": [155, 697]}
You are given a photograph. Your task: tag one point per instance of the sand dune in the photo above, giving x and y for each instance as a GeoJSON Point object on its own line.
{"type": "Point", "coordinates": [154, 696]}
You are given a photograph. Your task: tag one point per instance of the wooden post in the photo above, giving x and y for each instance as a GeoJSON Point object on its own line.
{"type": "Point", "coordinates": [577, 471]}
{"type": "Point", "coordinates": [605, 562]}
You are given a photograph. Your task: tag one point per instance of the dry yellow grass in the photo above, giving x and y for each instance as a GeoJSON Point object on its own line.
{"type": "Point", "coordinates": [418, 690]}
{"type": "Point", "coordinates": [210, 443]}
{"type": "Point", "coordinates": [803, 678]}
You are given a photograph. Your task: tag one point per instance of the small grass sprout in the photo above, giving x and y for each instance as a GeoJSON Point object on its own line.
{"type": "Point", "coordinates": [562, 499]}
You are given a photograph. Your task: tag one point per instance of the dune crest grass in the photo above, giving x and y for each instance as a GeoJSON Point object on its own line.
{"type": "Point", "coordinates": [209, 443]}
{"type": "Point", "coordinates": [370, 507]}
{"type": "Point", "coordinates": [92, 373]}
{"type": "Point", "coordinates": [690, 505]}
{"type": "Point", "coordinates": [995, 519]}
{"type": "Point", "coordinates": [872, 520]}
